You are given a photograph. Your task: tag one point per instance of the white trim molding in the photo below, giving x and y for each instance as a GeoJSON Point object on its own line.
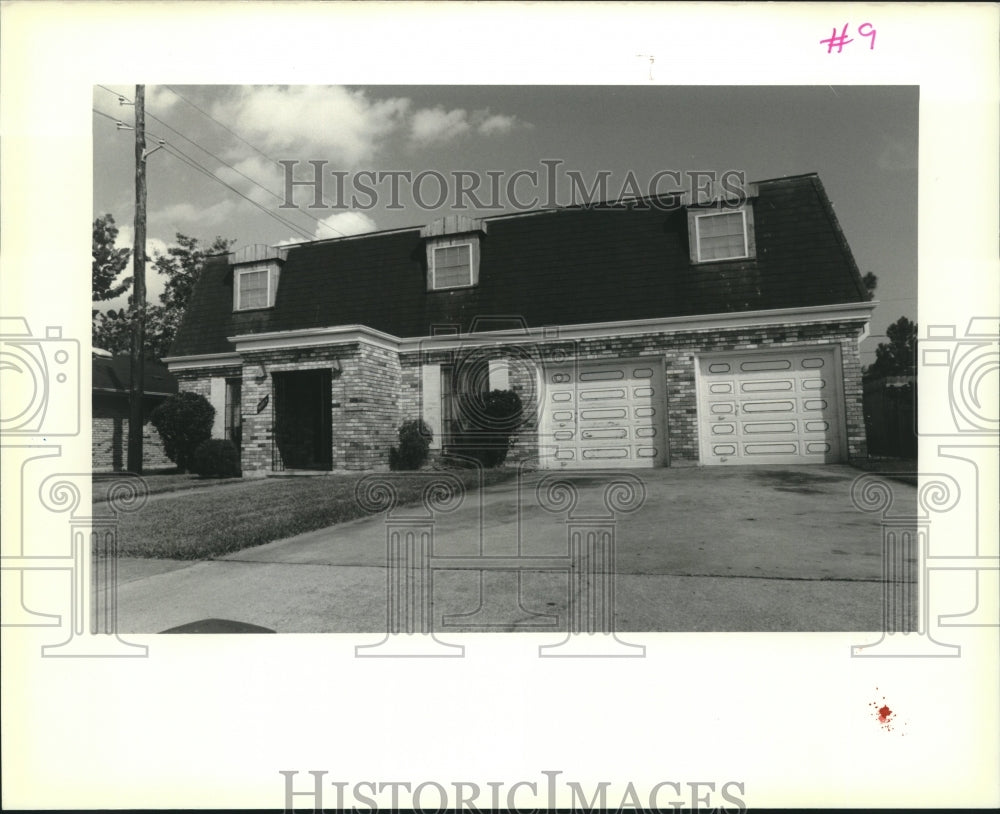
{"type": "Point", "coordinates": [318, 337]}
{"type": "Point", "coordinates": [176, 363]}
{"type": "Point", "coordinates": [313, 337]}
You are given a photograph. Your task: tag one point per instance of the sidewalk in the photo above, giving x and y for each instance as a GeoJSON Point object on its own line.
{"type": "Point", "coordinates": [770, 549]}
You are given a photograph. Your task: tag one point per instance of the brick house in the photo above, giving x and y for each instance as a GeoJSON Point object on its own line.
{"type": "Point", "coordinates": [657, 334]}
{"type": "Point", "coordinates": [110, 415]}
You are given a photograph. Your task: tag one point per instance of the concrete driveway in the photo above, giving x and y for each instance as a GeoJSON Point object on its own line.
{"type": "Point", "coordinates": [709, 549]}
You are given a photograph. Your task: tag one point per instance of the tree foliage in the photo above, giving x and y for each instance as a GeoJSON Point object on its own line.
{"type": "Point", "coordinates": [871, 283]}
{"type": "Point", "coordinates": [108, 261]}
{"type": "Point", "coordinates": [898, 356]}
{"type": "Point", "coordinates": [183, 421]}
{"type": "Point", "coordinates": [182, 266]}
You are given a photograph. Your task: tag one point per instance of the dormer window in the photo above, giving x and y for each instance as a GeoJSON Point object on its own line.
{"type": "Point", "coordinates": [452, 266]}
{"type": "Point", "coordinates": [721, 234]}
{"type": "Point", "coordinates": [252, 289]}
{"type": "Point", "coordinates": [256, 271]}
{"type": "Point", "coordinates": [453, 250]}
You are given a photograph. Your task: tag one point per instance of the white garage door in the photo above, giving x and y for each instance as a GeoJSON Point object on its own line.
{"type": "Point", "coordinates": [603, 414]}
{"type": "Point", "coordinates": [772, 407]}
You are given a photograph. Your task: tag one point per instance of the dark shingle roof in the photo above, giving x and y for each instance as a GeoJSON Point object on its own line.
{"type": "Point", "coordinates": [114, 374]}
{"type": "Point", "coordinates": [557, 267]}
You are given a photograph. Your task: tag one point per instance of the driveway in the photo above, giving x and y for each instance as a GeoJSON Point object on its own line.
{"type": "Point", "coordinates": [709, 549]}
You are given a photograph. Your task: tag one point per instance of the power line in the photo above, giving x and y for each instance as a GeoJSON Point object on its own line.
{"type": "Point", "coordinates": [253, 147]}
{"type": "Point", "coordinates": [224, 127]}
{"type": "Point", "coordinates": [185, 158]}
{"type": "Point", "coordinates": [220, 160]}
{"type": "Point", "coordinates": [195, 165]}
{"type": "Point", "coordinates": [238, 172]}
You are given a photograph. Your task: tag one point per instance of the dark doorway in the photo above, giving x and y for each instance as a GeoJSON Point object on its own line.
{"type": "Point", "coordinates": [302, 431]}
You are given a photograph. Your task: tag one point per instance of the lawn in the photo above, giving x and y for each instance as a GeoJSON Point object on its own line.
{"type": "Point", "coordinates": [156, 482]}
{"type": "Point", "coordinates": [204, 523]}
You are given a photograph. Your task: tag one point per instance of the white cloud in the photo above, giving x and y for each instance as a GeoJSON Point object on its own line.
{"type": "Point", "coordinates": [337, 123]}
{"type": "Point", "coordinates": [496, 124]}
{"type": "Point", "coordinates": [159, 98]}
{"type": "Point", "coordinates": [343, 224]}
{"type": "Point", "coordinates": [340, 224]}
{"type": "Point", "coordinates": [438, 125]}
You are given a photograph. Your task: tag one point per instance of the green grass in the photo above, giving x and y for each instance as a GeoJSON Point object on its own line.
{"type": "Point", "coordinates": [204, 523]}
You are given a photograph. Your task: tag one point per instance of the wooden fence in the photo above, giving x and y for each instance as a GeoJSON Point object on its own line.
{"type": "Point", "coordinates": [890, 406]}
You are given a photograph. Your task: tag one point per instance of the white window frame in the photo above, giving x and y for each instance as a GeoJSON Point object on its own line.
{"type": "Point", "coordinates": [453, 245]}
{"type": "Point", "coordinates": [239, 288]}
{"type": "Point", "coordinates": [749, 248]}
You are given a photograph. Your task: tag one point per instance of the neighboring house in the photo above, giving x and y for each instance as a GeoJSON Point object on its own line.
{"type": "Point", "coordinates": [636, 337]}
{"type": "Point", "coordinates": [110, 393]}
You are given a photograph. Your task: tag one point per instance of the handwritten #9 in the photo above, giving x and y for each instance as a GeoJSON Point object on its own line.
{"type": "Point", "coordinates": [838, 41]}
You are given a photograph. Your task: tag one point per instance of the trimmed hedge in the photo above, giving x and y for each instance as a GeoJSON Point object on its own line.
{"type": "Point", "coordinates": [183, 421]}
{"type": "Point", "coordinates": [216, 458]}
{"type": "Point", "coordinates": [414, 444]}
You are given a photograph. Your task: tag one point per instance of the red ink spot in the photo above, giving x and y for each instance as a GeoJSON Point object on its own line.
{"type": "Point", "coordinates": [883, 714]}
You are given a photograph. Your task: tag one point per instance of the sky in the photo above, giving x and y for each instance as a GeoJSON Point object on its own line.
{"type": "Point", "coordinates": [861, 140]}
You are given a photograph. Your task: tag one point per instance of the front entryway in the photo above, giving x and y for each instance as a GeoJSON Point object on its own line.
{"type": "Point", "coordinates": [302, 420]}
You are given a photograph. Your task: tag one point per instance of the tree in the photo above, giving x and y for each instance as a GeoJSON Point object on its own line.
{"type": "Point", "coordinates": [183, 421]}
{"type": "Point", "coordinates": [108, 261]}
{"type": "Point", "coordinates": [871, 283]}
{"type": "Point", "coordinates": [898, 356]}
{"type": "Point", "coordinates": [182, 266]}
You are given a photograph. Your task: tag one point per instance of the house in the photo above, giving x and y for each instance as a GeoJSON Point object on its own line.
{"type": "Point", "coordinates": [111, 377]}
{"type": "Point", "coordinates": [700, 333]}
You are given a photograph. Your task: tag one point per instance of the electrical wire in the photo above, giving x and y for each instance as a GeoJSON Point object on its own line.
{"type": "Point", "coordinates": [221, 161]}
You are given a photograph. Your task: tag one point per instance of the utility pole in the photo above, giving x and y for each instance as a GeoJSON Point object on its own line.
{"type": "Point", "coordinates": [136, 388]}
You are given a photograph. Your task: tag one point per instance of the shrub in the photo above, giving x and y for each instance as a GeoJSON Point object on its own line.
{"type": "Point", "coordinates": [414, 442]}
{"type": "Point", "coordinates": [216, 458]}
{"type": "Point", "coordinates": [494, 417]}
{"type": "Point", "coordinates": [183, 422]}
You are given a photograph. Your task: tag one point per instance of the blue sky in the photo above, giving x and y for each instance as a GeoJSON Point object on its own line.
{"type": "Point", "coordinates": [862, 140]}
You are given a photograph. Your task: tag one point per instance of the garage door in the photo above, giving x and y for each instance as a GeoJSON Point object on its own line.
{"type": "Point", "coordinates": [781, 407]}
{"type": "Point", "coordinates": [607, 414]}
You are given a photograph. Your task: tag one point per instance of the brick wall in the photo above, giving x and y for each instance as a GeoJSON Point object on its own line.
{"type": "Point", "coordinates": [377, 389]}
{"type": "Point", "coordinates": [678, 351]}
{"type": "Point", "coordinates": [109, 445]}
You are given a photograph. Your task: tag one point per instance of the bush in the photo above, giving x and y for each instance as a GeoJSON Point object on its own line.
{"type": "Point", "coordinates": [414, 442]}
{"type": "Point", "coordinates": [216, 458]}
{"type": "Point", "coordinates": [183, 422]}
{"type": "Point", "coordinates": [494, 417]}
